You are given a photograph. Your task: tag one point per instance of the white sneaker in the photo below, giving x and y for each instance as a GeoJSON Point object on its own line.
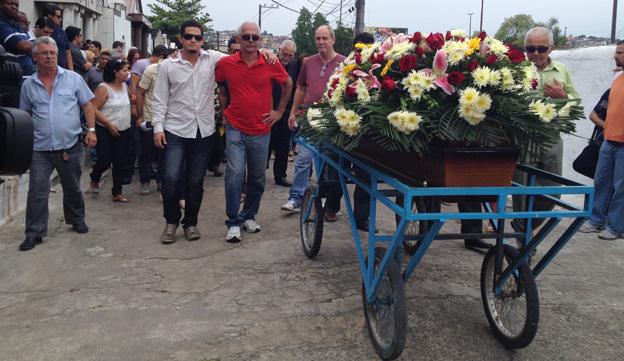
{"type": "Point", "coordinates": [251, 226]}
{"type": "Point", "coordinates": [291, 206]}
{"type": "Point", "coordinates": [588, 227]}
{"type": "Point", "coordinates": [606, 234]}
{"type": "Point", "coordinates": [233, 235]}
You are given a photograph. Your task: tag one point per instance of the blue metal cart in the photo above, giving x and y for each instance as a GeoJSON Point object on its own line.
{"type": "Point", "coordinates": [508, 289]}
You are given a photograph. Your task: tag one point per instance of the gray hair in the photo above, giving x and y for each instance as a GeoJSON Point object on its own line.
{"type": "Point", "coordinates": [540, 30]}
{"type": "Point", "coordinates": [43, 40]}
{"type": "Point", "coordinates": [288, 44]}
{"type": "Point", "coordinates": [329, 28]}
{"type": "Point", "coordinates": [240, 28]}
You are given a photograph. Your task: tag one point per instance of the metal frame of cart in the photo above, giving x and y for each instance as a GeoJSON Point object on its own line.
{"type": "Point", "coordinates": [508, 288]}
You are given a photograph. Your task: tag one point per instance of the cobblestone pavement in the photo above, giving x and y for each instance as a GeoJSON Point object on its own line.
{"type": "Point", "coordinates": [117, 294]}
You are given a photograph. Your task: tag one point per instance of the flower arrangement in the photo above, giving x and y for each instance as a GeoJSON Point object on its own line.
{"type": "Point", "coordinates": [410, 92]}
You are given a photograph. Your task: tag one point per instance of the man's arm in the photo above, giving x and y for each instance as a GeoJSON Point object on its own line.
{"type": "Point", "coordinates": [275, 115]}
{"type": "Point", "coordinates": [160, 100]}
{"type": "Point", "coordinates": [140, 103]}
{"type": "Point", "coordinates": [70, 60]}
{"type": "Point", "coordinates": [224, 101]}
{"type": "Point", "coordinates": [89, 112]}
{"type": "Point", "coordinates": [297, 100]}
{"type": "Point", "coordinates": [595, 118]}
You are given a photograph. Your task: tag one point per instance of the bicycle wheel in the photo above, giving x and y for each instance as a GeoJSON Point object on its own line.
{"type": "Point", "coordinates": [413, 228]}
{"type": "Point", "coordinates": [386, 315]}
{"type": "Point", "coordinates": [514, 314]}
{"type": "Point", "coordinates": [311, 222]}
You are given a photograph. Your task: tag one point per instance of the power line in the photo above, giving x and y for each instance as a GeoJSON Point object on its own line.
{"type": "Point", "coordinates": [285, 7]}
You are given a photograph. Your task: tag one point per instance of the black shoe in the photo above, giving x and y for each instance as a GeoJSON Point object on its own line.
{"type": "Point", "coordinates": [281, 181]}
{"type": "Point", "coordinates": [363, 226]}
{"type": "Point", "coordinates": [476, 244]}
{"type": "Point", "coordinates": [30, 243]}
{"type": "Point", "coordinates": [80, 228]}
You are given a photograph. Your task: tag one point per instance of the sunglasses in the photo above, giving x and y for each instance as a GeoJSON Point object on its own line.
{"type": "Point", "coordinates": [250, 37]}
{"type": "Point", "coordinates": [539, 49]}
{"type": "Point", "coordinates": [191, 36]}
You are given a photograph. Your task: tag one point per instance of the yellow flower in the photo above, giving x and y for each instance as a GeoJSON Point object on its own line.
{"type": "Point", "coordinates": [473, 45]}
{"type": "Point", "coordinates": [348, 69]}
{"type": "Point", "coordinates": [384, 71]}
{"type": "Point", "coordinates": [361, 46]}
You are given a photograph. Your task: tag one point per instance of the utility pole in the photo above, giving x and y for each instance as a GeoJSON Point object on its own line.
{"type": "Point", "coordinates": [359, 16]}
{"type": "Point", "coordinates": [613, 21]}
{"type": "Point", "coordinates": [340, 18]}
{"type": "Point", "coordinates": [264, 6]}
{"type": "Point", "coordinates": [470, 24]}
{"type": "Point", "coordinates": [481, 21]}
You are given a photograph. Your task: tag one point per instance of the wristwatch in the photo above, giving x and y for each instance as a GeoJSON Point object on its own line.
{"type": "Point", "coordinates": [91, 130]}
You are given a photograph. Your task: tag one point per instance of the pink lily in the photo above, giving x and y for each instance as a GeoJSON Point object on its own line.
{"type": "Point", "coordinates": [370, 79]}
{"type": "Point", "coordinates": [439, 71]}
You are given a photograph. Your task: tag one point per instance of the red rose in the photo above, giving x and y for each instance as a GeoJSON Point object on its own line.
{"type": "Point", "coordinates": [435, 41]}
{"type": "Point", "coordinates": [420, 51]}
{"type": "Point", "coordinates": [407, 63]}
{"type": "Point", "coordinates": [448, 35]}
{"type": "Point", "coordinates": [388, 83]}
{"type": "Point", "coordinates": [455, 78]}
{"type": "Point", "coordinates": [350, 92]}
{"type": "Point", "coordinates": [377, 58]}
{"type": "Point", "coordinates": [472, 65]}
{"type": "Point", "coordinates": [482, 35]}
{"type": "Point", "coordinates": [334, 83]}
{"type": "Point", "coordinates": [534, 84]}
{"type": "Point", "coordinates": [416, 38]}
{"type": "Point", "coordinates": [358, 58]}
{"type": "Point", "coordinates": [330, 92]}
{"type": "Point", "coordinates": [515, 56]}
{"type": "Point", "coordinates": [491, 59]}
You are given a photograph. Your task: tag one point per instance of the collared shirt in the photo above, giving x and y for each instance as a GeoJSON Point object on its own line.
{"type": "Point", "coordinates": [184, 96]}
{"type": "Point", "coordinates": [250, 91]}
{"type": "Point", "coordinates": [139, 66]}
{"type": "Point", "coordinates": [56, 117]}
{"type": "Point", "coordinates": [559, 72]}
{"type": "Point", "coordinates": [147, 82]}
{"type": "Point", "coordinates": [10, 36]}
{"type": "Point", "coordinates": [78, 59]}
{"type": "Point", "coordinates": [62, 44]}
{"type": "Point", "coordinates": [94, 77]}
{"type": "Point", "coordinates": [314, 76]}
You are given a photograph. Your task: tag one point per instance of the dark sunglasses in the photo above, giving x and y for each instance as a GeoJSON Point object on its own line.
{"type": "Point", "coordinates": [191, 36]}
{"type": "Point", "coordinates": [250, 37]}
{"type": "Point", "coordinates": [539, 49]}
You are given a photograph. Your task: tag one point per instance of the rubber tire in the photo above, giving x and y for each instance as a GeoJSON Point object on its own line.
{"type": "Point", "coordinates": [311, 247]}
{"type": "Point", "coordinates": [423, 226]}
{"type": "Point", "coordinates": [529, 330]}
{"type": "Point", "coordinates": [397, 344]}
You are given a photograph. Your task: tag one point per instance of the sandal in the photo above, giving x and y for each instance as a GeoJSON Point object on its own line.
{"type": "Point", "coordinates": [329, 216]}
{"type": "Point", "coordinates": [120, 198]}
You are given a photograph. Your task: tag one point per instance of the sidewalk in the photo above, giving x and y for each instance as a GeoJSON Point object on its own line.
{"type": "Point", "coordinates": [117, 294]}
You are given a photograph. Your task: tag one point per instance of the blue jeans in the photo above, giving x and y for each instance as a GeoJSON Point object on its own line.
{"type": "Point", "coordinates": [609, 188]}
{"type": "Point", "coordinates": [184, 160]}
{"type": "Point", "coordinates": [303, 166]}
{"type": "Point", "coordinates": [250, 151]}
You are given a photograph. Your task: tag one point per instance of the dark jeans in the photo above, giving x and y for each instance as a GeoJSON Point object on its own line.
{"type": "Point", "coordinates": [280, 143]}
{"type": "Point", "coordinates": [148, 155]}
{"type": "Point", "coordinates": [361, 198]}
{"type": "Point", "coordinates": [131, 153]}
{"type": "Point", "coordinates": [470, 225]}
{"type": "Point", "coordinates": [184, 159]}
{"type": "Point", "coordinates": [69, 171]}
{"type": "Point", "coordinates": [218, 152]}
{"type": "Point", "coordinates": [111, 151]}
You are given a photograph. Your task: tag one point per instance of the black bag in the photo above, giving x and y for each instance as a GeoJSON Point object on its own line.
{"type": "Point", "coordinates": [586, 162]}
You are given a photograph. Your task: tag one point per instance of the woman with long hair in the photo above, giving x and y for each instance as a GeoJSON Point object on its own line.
{"type": "Point", "coordinates": [112, 114]}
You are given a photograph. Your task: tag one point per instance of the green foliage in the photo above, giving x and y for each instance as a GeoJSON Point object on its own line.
{"type": "Point", "coordinates": [170, 14]}
{"type": "Point", "coordinates": [553, 25]}
{"type": "Point", "coordinates": [303, 33]}
{"type": "Point", "coordinates": [513, 29]}
{"type": "Point", "coordinates": [344, 40]}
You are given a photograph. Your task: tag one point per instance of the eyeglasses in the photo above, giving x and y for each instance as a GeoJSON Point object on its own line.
{"type": "Point", "coordinates": [193, 36]}
{"type": "Point", "coordinates": [250, 37]}
{"type": "Point", "coordinates": [539, 49]}
{"type": "Point", "coordinates": [323, 70]}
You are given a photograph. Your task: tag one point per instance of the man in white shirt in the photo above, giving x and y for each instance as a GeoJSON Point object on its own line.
{"type": "Point", "coordinates": [183, 121]}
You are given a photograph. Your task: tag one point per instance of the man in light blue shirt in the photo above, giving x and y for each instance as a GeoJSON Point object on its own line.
{"type": "Point", "coordinates": [54, 97]}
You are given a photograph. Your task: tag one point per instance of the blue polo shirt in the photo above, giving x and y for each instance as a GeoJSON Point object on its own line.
{"type": "Point", "coordinates": [10, 36]}
{"type": "Point", "coordinates": [55, 117]}
{"type": "Point", "coordinates": [62, 44]}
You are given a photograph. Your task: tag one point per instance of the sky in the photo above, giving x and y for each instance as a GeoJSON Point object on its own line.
{"type": "Point", "coordinates": [591, 17]}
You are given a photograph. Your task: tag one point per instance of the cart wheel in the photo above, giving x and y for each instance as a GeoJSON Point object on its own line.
{"type": "Point", "coordinates": [413, 228]}
{"type": "Point", "coordinates": [386, 315]}
{"type": "Point", "coordinates": [311, 227]}
{"type": "Point", "coordinates": [514, 314]}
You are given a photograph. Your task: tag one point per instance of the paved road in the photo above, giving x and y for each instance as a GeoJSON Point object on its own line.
{"type": "Point", "coordinates": [117, 294]}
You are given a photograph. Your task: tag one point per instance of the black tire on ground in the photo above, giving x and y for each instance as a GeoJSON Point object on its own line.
{"type": "Point", "coordinates": [311, 228]}
{"type": "Point", "coordinates": [514, 315]}
{"type": "Point", "coordinates": [414, 227]}
{"type": "Point", "coordinates": [386, 315]}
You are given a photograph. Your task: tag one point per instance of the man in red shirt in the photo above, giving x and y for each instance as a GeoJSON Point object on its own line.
{"type": "Point", "coordinates": [245, 88]}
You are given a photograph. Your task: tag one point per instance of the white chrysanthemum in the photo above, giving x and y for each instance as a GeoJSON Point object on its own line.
{"type": "Point", "coordinates": [471, 114]}
{"type": "Point", "coordinates": [425, 80]}
{"type": "Point", "coordinates": [362, 92]}
{"type": "Point", "coordinates": [368, 51]}
{"type": "Point", "coordinates": [507, 81]}
{"type": "Point", "coordinates": [483, 103]}
{"type": "Point", "coordinates": [399, 49]}
{"type": "Point", "coordinates": [404, 121]}
{"type": "Point", "coordinates": [496, 46]}
{"type": "Point", "coordinates": [481, 76]}
{"type": "Point", "coordinates": [495, 77]}
{"type": "Point", "coordinates": [412, 121]}
{"type": "Point", "coordinates": [455, 51]}
{"type": "Point", "coordinates": [565, 110]}
{"type": "Point", "coordinates": [348, 120]}
{"type": "Point", "coordinates": [415, 92]}
{"type": "Point", "coordinates": [468, 96]}
{"type": "Point", "coordinates": [313, 115]}
{"type": "Point", "coordinates": [546, 112]}
{"type": "Point", "coordinates": [459, 33]}
{"type": "Point", "coordinates": [529, 74]}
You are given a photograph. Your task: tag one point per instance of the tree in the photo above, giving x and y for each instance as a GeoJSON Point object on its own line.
{"type": "Point", "coordinates": [344, 40]}
{"type": "Point", "coordinates": [513, 29]}
{"type": "Point", "coordinates": [170, 14]}
{"type": "Point", "coordinates": [553, 25]}
{"type": "Point", "coordinates": [303, 33]}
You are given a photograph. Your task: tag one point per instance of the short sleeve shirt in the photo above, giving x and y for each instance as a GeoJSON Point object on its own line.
{"type": "Point", "coordinates": [94, 77]}
{"type": "Point", "coordinates": [62, 44]}
{"type": "Point", "coordinates": [10, 36]}
{"type": "Point", "coordinates": [148, 80]}
{"type": "Point", "coordinates": [139, 66]}
{"type": "Point", "coordinates": [250, 91]}
{"type": "Point", "coordinates": [601, 106]}
{"type": "Point", "coordinates": [314, 76]}
{"type": "Point", "coordinates": [55, 117]}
